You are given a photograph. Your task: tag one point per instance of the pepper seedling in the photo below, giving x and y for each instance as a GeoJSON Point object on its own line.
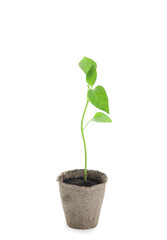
{"type": "Point", "coordinates": [97, 96]}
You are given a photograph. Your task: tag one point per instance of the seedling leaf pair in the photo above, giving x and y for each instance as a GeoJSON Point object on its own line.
{"type": "Point", "coordinates": [89, 68]}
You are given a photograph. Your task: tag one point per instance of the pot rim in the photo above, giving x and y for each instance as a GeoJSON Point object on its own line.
{"type": "Point", "coordinates": [103, 176]}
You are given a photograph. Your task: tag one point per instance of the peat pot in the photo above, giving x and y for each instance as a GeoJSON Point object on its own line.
{"type": "Point", "coordinates": [82, 201]}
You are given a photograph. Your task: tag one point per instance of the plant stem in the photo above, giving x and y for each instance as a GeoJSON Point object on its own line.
{"type": "Point", "coordinates": [87, 123]}
{"type": "Point", "coordinates": [82, 132]}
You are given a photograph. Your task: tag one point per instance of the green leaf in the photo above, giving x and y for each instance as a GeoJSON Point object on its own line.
{"type": "Point", "coordinates": [91, 76]}
{"type": "Point", "coordinates": [101, 117]}
{"type": "Point", "coordinates": [98, 98]}
{"type": "Point", "coordinates": [86, 63]}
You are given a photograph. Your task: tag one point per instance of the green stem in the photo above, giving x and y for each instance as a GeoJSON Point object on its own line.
{"type": "Point", "coordinates": [82, 132]}
{"type": "Point", "coordinates": [87, 123]}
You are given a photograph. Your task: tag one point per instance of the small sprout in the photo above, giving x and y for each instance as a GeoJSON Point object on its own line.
{"type": "Point", "coordinates": [97, 96]}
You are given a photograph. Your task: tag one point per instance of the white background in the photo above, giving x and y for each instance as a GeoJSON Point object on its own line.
{"type": "Point", "coordinates": [42, 97]}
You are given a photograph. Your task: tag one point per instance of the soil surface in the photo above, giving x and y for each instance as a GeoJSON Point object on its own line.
{"type": "Point", "coordinates": [81, 182]}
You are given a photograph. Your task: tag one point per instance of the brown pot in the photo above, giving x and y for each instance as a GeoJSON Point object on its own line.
{"type": "Point", "coordinates": [82, 204]}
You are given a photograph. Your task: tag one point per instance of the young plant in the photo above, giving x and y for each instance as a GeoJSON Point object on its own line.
{"type": "Point", "coordinates": [96, 96]}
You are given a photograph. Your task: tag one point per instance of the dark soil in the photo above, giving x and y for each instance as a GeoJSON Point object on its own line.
{"type": "Point", "coordinates": [81, 182]}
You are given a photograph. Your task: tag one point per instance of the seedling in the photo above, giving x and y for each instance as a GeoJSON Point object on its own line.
{"type": "Point", "coordinates": [96, 96]}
